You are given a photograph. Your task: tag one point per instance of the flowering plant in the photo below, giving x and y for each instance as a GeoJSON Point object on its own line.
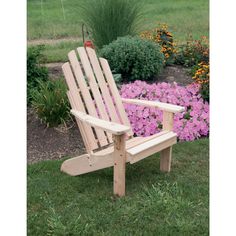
{"type": "Point", "coordinates": [189, 125]}
{"type": "Point", "coordinates": [162, 36]}
{"type": "Point", "coordinates": [193, 52]}
{"type": "Point", "coordinates": [201, 73]}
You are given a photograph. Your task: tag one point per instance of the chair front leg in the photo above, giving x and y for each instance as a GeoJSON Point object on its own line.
{"type": "Point", "coordinates": [119, 164]}
{"type": "Point", "coordinates": [165, 161]}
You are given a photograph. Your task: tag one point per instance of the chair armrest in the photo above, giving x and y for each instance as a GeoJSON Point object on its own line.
{"type": "Point", "coordinates": [111, 127]}
{"type": "Point", "coordinates": [160, 105]}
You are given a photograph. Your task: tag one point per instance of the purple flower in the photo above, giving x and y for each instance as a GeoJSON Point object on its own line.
{"type": "Point", "coordinates": [189, 125]}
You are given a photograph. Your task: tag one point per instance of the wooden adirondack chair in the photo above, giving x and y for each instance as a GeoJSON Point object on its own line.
{"type": "Point", "coordinates": [103, 122]}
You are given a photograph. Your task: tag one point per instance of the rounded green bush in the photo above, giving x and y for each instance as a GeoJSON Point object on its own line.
{"type": "Point", "coordinates": [134, 58]}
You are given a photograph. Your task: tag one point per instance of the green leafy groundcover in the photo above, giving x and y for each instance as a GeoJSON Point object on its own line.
{"type": "Point", "coordinates": [155, 204]}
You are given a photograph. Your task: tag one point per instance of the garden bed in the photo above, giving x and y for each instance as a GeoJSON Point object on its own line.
{"type": "Point", "coordinates": [55, 143]}
{"type": "Point", "coordinates": [174, 73]}
{"type": "Point", "coordinates": [51, 143]}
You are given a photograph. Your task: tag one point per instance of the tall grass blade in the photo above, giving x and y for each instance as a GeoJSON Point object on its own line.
{"type": "Point", "coordinates": [63, 10]}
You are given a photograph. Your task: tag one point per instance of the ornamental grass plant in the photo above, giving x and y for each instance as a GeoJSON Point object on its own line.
{"type": "Point", "coordinates": [109, 19]}
{"type": "Point", "coordinates": [50, 102]}
{"type": "Point", "coordinates": [36, 72]}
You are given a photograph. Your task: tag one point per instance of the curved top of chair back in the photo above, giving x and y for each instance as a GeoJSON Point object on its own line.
{"type": "Point", "coordinates": [92, 90]}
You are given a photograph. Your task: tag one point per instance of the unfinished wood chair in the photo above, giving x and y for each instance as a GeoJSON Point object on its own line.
{"type": "Point", "coordinates": [103, 122]}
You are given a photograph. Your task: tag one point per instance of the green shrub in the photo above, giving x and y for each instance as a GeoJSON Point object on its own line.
{"type": "Point", "coordinates": [109, 19]}
{"type": "Point", "coordinates": [35, 71]}
{"type": "Point", "coordinates": [193, 52]}
{"type": "Point", "coordinates": [50, 102]}
{"type": "Point", "coordinates": [134, 58]}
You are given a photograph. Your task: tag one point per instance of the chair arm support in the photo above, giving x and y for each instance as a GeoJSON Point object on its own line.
{"type": "Point", "coordinates": [111, 127]}
{"type": "Point", "coordinates": [160, 105]}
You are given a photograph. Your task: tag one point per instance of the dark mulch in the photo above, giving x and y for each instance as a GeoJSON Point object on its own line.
{"type": "Point", "coordinates": [175, 73]}
{"type": "Point", "coordinates": [51, 143]}
{"type": "Point", "coordinates": [54, 143]}
{"type": "Point", "coordinates": [55, 70]}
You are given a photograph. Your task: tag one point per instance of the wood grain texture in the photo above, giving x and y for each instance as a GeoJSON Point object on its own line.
{"type": "Point", "coordinates": [119, 165]}
{"type": "Point", "coordinates": [86, 164]}
{"type": "Point", "coordinates": [165, 161]}
{"type": "Point", "coordinates": [115, 93]}
{"type": "Point", "coordinates": [108, 126]}
{"type": "Point", "coordinates": [150, 147]}
{"type": "Point", "coordinates": [103, 85]}
{"type": "Point", "coordinates": [168, 120]}
{"type": "Point", "coordinates": [94, 87]}
{"type": "Point", "coordinates": [85, 130]}
{"type": "Point", "coordinates": [76, 103]}
{"type": "Point", "coordinates": [160, 105]}
{"type": "Point", "coordinates": [90, 106]}
{"type": "Point", "coordinates": [101, 117]}
{"type": "Point", "coordinates": [166, 154]}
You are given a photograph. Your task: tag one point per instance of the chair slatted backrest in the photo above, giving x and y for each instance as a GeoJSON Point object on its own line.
{"type": "Point", "coordinates": [92, 90]}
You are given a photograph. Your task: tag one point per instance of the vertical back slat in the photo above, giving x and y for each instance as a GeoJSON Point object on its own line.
{"type": "Point", "coordinates": [94, 86]}
{"type": "Point", "coordinates": [115, 93]}
{"type": "Point", "coordinates": [76, 103]}
{"type": "Point", "coordinates": [86, 94]}
{"type": "Point", "coordinates": [103, 86]}
{"type": "Point", "coordinates": [79, 123]}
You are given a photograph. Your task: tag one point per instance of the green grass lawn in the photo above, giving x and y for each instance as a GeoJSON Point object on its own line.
{"type": "Point", "coordinates": [156, 203]}
{"type": "Point", "coordinates": [45, 19]}
{"type": "Point", "coordinates": [58, 52]}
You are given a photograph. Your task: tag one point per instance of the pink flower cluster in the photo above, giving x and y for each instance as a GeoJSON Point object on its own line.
{"type": "Point", "coordinates": [189, 125]}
